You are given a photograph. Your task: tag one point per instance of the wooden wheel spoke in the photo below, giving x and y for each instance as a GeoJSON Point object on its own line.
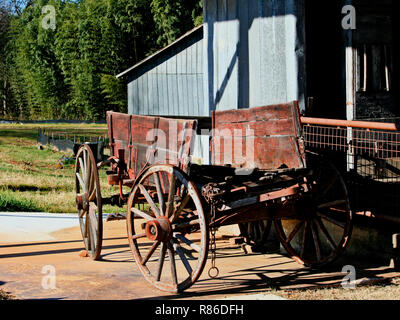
{"type": "Point", "coordinates": [82, 184]}
{"type": "Point", "coordinates": [87, 169]}
{"type": "Point", "coordinates": [331, 220]}
{"type": "Point", "coordinates": [328, 186]}
{"type": "Point", "coordinates": [303, 242]}
{"type": "Point", "coordinates": [188, 242]}
{"type": "Point", "coordinates": [93, 195]}
{"type": "Point", "coordinates": [317, 243]}
{"type": "Point", "coordinates": [161, 261]}
{"type": "Point", "coordinates": [92, 182]}
{"type": "Point", "coordinates": [83, 168]}
{"type": "Point", "coordinates": [150, 253]}
{"type": "Point", "coordinates": [86, 227]}
{"type": "Point", "coordinates": [171, 195]}
{"type": "Point", "coordinates": [181, 207]}
{"type": "Point", "coordinates": [138, 236]}
{"type": "Point", "coordinates": [294, 231]}
{"type": "Point", "coordinates": [82, 213]}
{"type": "Point", "coordinates": [171, 255]}
{"type": "Point", "coordinates": [142, 214]}
{"type": "Point", "coordinates": [150, 201]}
{"type": "Point", "coordinates": [93, 219]}
{"type": "Point", "coordinates": [326, 233]}
{"type": "Point", "coordinates": [182, 225]}
{"type": "Point", "coordinates": [331, 204]}
{"type": "Point", "coordinates": [88, 232]}
{"type": "Point", "coordinates": [183, 259]}
{"type": "Point", "coordinates": [159, 192]}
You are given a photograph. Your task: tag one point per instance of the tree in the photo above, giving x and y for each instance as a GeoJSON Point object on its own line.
{"type": "Point", "coordinates": [36, 64]}
{"type": "Point", "coordinates": [70, 72]}
{"type": "Point", "coordinates": [4, 25]}
{"type": "Point", "coordinates": [175, 17]}
{"type": "Point", "coordinates": [15, 6]}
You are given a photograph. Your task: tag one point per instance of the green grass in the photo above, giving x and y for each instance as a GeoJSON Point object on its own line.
{"type": "Point", "coordinates": [30, 179]}
{"type": "Point", "coordinates": [11, 201]}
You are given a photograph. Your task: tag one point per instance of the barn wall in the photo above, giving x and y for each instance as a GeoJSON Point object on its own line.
{"type": "Point", "coordinates": [267, 65]}
{"type": "Point", "coordinates": [171, 84]}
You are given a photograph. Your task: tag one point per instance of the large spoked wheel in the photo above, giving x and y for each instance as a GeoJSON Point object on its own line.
{"type": "Point", "coordinates": [323, 227]}
{"type": "Point", "coordinates": [169, 237]}
{"type": "Point", "coordinates": [88, 201]}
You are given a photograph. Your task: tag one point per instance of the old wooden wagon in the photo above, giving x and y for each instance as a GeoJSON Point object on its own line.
{"type": "Point", "coordinates": [260, 172]}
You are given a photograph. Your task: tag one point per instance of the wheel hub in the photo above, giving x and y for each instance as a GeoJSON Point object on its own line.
{"type": "Point", "coordinates": [82, 201]}
{"type": "Point", "coordinates": [159, 230]}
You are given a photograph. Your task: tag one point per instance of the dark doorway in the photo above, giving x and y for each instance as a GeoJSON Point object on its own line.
{"type": "Point", "coordinates": [325, 59]}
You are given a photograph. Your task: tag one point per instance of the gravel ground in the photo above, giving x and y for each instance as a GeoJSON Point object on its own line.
{"type": "Point", "coordinates": [5, 296]}
{"type": "Point", "coordinates": [386, 291]}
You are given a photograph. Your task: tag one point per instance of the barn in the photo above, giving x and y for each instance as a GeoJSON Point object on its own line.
{"type": "Point", "coordinates": [256, 52]}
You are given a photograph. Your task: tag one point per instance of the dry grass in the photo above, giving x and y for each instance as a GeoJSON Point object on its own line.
{"type": "Point", "coordinates": [30, 179]}
{"type": "Point", "coordinates": [384, 291]}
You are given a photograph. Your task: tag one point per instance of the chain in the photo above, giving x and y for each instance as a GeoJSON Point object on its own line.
{"type": "Point", "coordinates": [213, 272]}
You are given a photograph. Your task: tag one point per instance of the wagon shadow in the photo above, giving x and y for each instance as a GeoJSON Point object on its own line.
{"type": "Point", "coordinates": [52, 252]}
{"type": "Point", "coordinates": [280, 273]}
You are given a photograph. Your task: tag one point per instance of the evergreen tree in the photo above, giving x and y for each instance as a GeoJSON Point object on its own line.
{"type": "Point", "coordinates": [69, 71]}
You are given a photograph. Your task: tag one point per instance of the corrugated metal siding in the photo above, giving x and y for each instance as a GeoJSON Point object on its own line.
{"type": "Point", "coordinates": [171, 84]}
{"type": "Point", "coordinates": [266, 66]}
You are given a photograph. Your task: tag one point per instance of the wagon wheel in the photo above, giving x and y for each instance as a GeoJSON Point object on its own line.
{"type": "Point", "coordinates": [323, 227]}
{"type": "Point", "coordinates": [88, 201]}
{"type": "Point", "coordinates": [174, 233]}
{"type": "Point", "coordinates": [257, 234]}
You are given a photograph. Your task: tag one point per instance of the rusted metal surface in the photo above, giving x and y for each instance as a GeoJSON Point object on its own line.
{"type": "Point", "coordinates": [352, 124]}
{"type": "Point", "coordinates": [378, 140]}
{"type": "Point", "coordinates": [265, 138]}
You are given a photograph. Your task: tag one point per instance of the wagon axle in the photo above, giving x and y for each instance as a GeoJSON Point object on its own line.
{"type": "Point", "coordinates": [82, 202]}
{"type": "Point", "coordinates": [159, 230]}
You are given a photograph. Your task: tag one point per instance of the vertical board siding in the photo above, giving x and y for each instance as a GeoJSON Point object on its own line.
{"type": "Point", "coordinates": [253, 52]}
{"type": "Point", "coordinates": [172, 84]}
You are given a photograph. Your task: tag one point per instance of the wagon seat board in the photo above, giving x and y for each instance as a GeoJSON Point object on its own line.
{"type": "Point", "coordinates": [150, 140]}
{"type": "Point", "coordinates": [266, 138]}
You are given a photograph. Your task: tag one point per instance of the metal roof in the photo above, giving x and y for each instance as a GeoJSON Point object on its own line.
{"type": "Point", "coordinates": [164, 50]}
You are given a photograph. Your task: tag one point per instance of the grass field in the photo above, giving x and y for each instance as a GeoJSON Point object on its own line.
{"type": "Point", "coordinates": [30, 180]}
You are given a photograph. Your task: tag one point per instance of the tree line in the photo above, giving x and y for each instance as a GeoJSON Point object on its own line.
{"type": "Point", "coordinates": [61, 64]}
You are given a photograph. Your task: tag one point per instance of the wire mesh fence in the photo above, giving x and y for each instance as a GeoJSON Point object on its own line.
{"type": "Point", "coordinates": [369, 158]}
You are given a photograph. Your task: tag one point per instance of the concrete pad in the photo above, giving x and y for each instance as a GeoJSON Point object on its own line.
{"type": "Point", "coordinates": [28, 227]}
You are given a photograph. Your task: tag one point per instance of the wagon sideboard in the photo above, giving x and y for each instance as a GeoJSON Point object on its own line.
{"type": "Point", "coordinates": [265, 138]}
